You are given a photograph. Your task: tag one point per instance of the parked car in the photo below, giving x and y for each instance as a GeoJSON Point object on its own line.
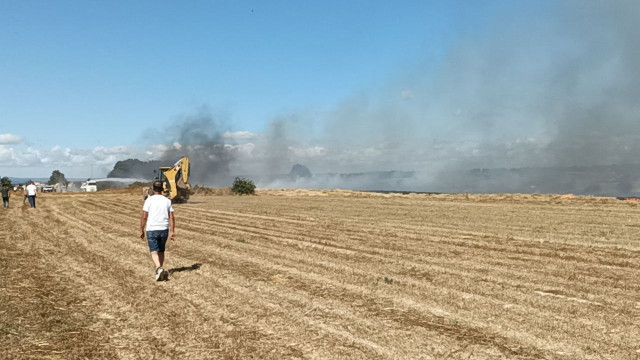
{"type": "Point", "coordinates": [48, 188]}
{"type": "Point", "coordinates": [89, 186]}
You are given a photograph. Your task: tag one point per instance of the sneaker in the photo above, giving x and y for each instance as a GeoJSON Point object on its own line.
{"type": "Point", "coordinates": [162, 274]}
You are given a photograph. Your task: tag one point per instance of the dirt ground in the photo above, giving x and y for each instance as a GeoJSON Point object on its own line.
{"type": "Point", "coordinates": [324, 275]}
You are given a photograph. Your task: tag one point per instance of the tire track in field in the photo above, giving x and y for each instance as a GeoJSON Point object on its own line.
{"type": "Point", "coordinates": [421, 231]}
{"type": "Point", "coordinates": [498, 246]}
{"type": "Point", "coordinates": [316, 284]}
{"type": "Point", "coordinates": [352, 338]}
{"type": "Point", "coordinates": [541, 313]}
{"type": "Point", "coordinates": [320, 279]}
{"type": "Point", "coordinates": [259, 273]}
{"type": "Point", "coordinates": [546, 273]}
{"type": "Point", "coordinates": [46, 303]}
{"type": "Point", "coordinates": [564, 287]}
{"type": "Point", "coordinates": [141, 269]}
{"type": "Point", "coordinates": [271, 305]}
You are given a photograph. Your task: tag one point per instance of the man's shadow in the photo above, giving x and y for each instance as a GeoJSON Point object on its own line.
{"type": "Point", "coordinates": [193, 267]}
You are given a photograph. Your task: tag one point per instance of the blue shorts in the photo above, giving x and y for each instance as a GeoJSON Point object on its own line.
{"type": "Point", "coordinates": [157, 239]}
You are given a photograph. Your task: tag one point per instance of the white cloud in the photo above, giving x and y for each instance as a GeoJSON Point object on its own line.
{"type": "Point", "coordinates": [245, 152]}
{"type": "Point", "coordinates": [66, 157]}
{"type": "Point", "coordinates": [239, 135]}
{"type": "Point", "coordinates": [314, 151]}
{"type": "Point", "coordinates": [12, 157]}
{"type": "Point", "coordinates": [6, 155]}
{"type": "Point", "coordinates": [9, 139]}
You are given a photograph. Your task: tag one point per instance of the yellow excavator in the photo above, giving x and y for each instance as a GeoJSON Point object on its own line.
{"type": "Point", "coordinates": [176, 180]}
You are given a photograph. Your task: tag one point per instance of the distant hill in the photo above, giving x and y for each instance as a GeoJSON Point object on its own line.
{"type": "Point", "coordinates": [134, 168]}
{"type": "Point", "coordinates": [298, 171]}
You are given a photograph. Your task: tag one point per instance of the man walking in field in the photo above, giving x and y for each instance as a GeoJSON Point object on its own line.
{"type": "Point", "coordinates": [159, 223]}
{"type": "Point", "coordinates": [5, 196]}
{"type": "Point", "coordinates": [31, 191]}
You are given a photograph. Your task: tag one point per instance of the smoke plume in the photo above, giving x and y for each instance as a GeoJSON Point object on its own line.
{"type": "Point", "coordinates": [200, 137]}
{"type": "Point", "coordinates": [542, 91]}
{"type": "Point", "coordinates": [551, 90]}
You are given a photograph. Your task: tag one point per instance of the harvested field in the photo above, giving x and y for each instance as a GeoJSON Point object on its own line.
{"type": "Point", "coordinates": [324, 275]}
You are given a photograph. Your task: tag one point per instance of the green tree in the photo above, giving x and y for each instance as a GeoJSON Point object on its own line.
{"type": "Point", "coordinates": [57, 177]}
{"type": "Point", "coordinates": [5, 181]}
{"type": "Point", "coordinates": [243, 186]}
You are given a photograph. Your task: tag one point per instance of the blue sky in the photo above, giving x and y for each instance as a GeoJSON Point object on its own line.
{"type": "Point", "coordinates": [81, 74]}
{"type": "Point", "coordinates": [84, 82]}
{"type": "Point", "coordinates": [87, 73]}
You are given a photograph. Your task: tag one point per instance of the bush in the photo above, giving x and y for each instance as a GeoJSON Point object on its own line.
{"type": "Point", "coordinates": [243, 186]}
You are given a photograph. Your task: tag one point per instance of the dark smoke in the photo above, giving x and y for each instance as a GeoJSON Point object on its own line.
{"type": "Point", "coordinates": [543, 98]}
{"type": "Point", "coordinates": [571, 83]}
{"type": "Point", "coordinates": [199, 137]}
{"type": "Point", "coordinates": [563, 94]}
{"type": "Point", "coordinates": [594, 106]}
{"type": "Point", "coordinates": [541, 91]}
{"type": "Point", "coordinates": [276, 147]}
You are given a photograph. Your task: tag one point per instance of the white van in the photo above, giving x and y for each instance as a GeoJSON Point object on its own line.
{"type": "Point", "coordinates": [89, 186]}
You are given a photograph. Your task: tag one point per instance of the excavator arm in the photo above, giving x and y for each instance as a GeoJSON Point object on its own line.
{"type": "Point", "coordinates": [177, 179]}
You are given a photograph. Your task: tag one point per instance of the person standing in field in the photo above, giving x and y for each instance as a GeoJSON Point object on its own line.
{"type": "Point", "coordinates": [5, 196]}
{"type": "Point", "coordinates": [32, 192]}
{"type": "Point", "coordinates": [159, 223]}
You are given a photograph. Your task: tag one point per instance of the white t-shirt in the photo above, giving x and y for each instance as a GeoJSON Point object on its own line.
{"type": "Point", "coordinates": [31, 189]}
{"type": "Point", "coordinates": [158, 208]}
